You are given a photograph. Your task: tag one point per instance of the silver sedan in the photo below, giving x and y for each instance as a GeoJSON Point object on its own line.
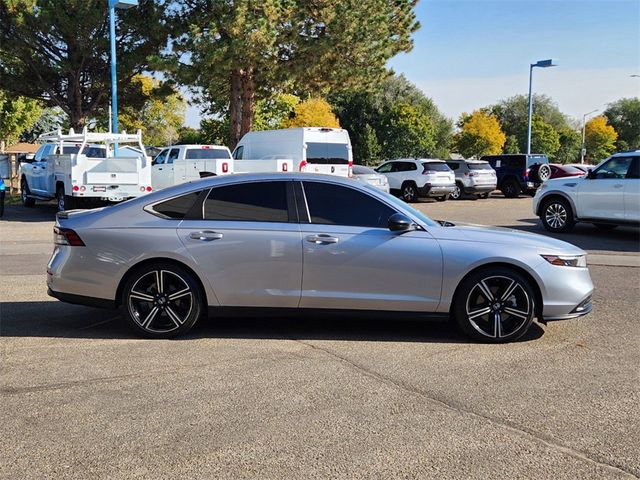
{"type": "Point", "coordinates": [305, 241]}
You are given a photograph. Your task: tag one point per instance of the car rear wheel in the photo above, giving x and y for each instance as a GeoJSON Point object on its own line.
{"type": "Point", "coordinates": [495, 305]}
{"type": "Point", "coordinates": [162, 300]}
{"type": "Point", "coordinates": [27, 201]}
{"type": "Point", "coordinates": [409, 192]}
{"type": "Point", "coordinates": [457, 192]}
{"type": "Point", "coordinates": [557, 216]}
{"type": "Point", "coordinates": [511, 189]}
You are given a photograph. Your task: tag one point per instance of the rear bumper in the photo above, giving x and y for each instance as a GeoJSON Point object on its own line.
{"type": "Point", "coordinates": [435, 190]}
{"type": "Point", "coordinates": [479, 188]}
{"type": "Point", "coordinates": [82, 300]}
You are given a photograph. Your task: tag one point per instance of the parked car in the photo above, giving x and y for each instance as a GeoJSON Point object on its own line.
{"type": "Point", "coordinates": [310, 149]}
{"type": "Point", "coordinates": [369, 175]}
{"type": "Point", "coordinates": [472, 177]}
{"type": "Point", "coordinates": [76, 168]}
{"type": "Point", "coordinates": [2, 195]}
{"type": "Point", "coordinates": [607, 197]}
{"type": "Point", "coordinates": [413, 178]}
{"type": "Point", "coordinates": [519, 173]}
{"type": "Point", "coordinates": [183, 163]}
{"type": "Point", "coordinates": [581, 166]}
{"type": "Point", "coordinates": [561, 171]}
{"type": "Point", "coordinates": [244, 241]}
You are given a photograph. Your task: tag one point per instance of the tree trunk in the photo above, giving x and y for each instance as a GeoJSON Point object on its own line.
{"type": "Point", "coordinates": [235, 108]}
{"type": "Point", "coordinates": [248, 98]}
{"type": "Point", "coordinates": [77, 116]}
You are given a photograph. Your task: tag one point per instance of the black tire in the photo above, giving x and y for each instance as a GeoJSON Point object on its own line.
{"type": "Point", "coordinates": [27, 201]}
{"type": "Point", "coordinates": [557, 216]}
{"type": "Point", "coordinates": [507, 316]}
{"type": "Point", "coordinates": [141, 297]}
{"type": "Point", "coordinates": [458, 191]}
{"type": "Point", "coordinates": [409, 192]}
{"type": "Point", "coordinates": [540, 172]}
{"type": "Point", "coordinates": [604, 226]}
{"type": "Point", "coordinates": [2, 195]}
{"type": "Point", "coordinates": [511, 189]}
{"type": "Point", "coordinates": [443, 198]}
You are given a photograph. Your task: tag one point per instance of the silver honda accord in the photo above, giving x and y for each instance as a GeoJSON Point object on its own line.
{"type": "Point", "coordinates": [306, 241]}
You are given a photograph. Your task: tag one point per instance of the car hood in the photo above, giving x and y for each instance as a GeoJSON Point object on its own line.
{"type": "Point", "coordinates": [500, 235]}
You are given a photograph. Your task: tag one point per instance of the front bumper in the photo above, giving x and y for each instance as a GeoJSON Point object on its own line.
{"type": "Point", "coordinates": [479, 188]}
{"type": "Point", "coordinates": [583, 308]}
{"type": "Point", "coordinates": [566, 291]}
{"type": "Point", "coordinates": [436, 190]}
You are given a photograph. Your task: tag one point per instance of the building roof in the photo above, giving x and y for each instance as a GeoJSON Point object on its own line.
{"type": "Point", "coordinates": [22, 148]}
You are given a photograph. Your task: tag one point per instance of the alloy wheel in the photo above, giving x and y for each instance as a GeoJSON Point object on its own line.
{"type": "Point", "coordinates": [556, 215]}
{"type": "Point", "coordinates": [455, 194]}
{"type": "Point", "coordinates": [408, 193]}
{"type": "Point", "coordinates": [498, 307]}
{"type": "Point", "coordinates": [160, 301]}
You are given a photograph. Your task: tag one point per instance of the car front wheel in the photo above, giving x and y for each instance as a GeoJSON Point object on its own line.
{"type": "Point", "coordinates": [409, 192]}
{"type": "Point", "coordinates": [27, 201]}
{"type": "Point", "coordinates": [456, 194]}
{"type": "Point", "coordinates": [557, 216]}
{"type": "Point", "coordinates": [162, 300]}
{"type": "Point", "coordinates": [495, 305]}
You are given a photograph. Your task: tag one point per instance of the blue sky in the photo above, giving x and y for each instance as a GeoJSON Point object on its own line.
{"type": "Point", "coordinates": [470, 53]}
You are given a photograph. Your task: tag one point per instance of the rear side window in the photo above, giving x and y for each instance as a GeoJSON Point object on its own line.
{"type": "Point", "coordinates": [435, 167]}
{"type": "Point", "coordinates": [479, 166]}
{"type": "Point", "coordinates": [337, 205]}
{"type": "Point", "coordinates": [176, 208]}
{"type": "Point", "coordinates": [327, 153]}
{"type": "Point", "coordinates": [248, 202]}
{"type": "Point", "coordinates": [453, 166]}
{"type": "Point", "coordinates": [95, 152]}
{"type": "Point", "coordinates": [67, 150]}
{"type": "Point", "coordinates": [207, 153]}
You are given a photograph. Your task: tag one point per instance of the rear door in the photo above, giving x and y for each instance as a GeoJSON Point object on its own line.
{"type": "Point", "coordinates": [248, 244]}
{"type": "Point", "coordinates": [353, 261]}
{"type": "Point", "coordinates": [632, 191]}
{"type": "Point", "coordinates": [38, 181]}
{"type": "Point", "coordinates": [159, 170]}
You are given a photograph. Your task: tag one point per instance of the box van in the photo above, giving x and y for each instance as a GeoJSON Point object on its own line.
{"type": "Point", "coordinates": [311, 149]}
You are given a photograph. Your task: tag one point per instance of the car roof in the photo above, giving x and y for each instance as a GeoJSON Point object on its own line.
{"type": "Point", "coordinates": [416, 160]}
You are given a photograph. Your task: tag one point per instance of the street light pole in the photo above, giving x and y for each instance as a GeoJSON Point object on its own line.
{"type": "Point", "coordinates": [541, 64]}
{"type": "Point", "coordinates": [584, 147]}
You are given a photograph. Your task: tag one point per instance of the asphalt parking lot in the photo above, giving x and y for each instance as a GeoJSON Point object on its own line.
{"type": "Point", "coordinates": [81, 397]}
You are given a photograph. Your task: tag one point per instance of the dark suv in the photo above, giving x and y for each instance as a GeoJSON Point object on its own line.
{"type": "Point", "coordinates": [519, 173]}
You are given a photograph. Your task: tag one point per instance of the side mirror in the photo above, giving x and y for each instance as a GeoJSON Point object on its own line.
{"type": "Point", "coordinates": [400, 223]}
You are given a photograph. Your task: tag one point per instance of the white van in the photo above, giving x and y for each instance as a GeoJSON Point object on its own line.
{"type": "Point", "coordinates": [311, 149]}
{"type": "Point", "coordinates": [183, 163]}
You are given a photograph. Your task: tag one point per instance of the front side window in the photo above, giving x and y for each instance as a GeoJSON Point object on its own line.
{"type": "Point", "coordinates": [327, 153]}
{"type": "Point", "coordinates": [385, 168]}
{"type": "Point", "coordinates": [338, 205]}
{"type": "Point", "coordinates": [248, 202]}
{"type": "Point", "coordinates": [237, 153]}
{"type": "Point", "coordinates": [161, 157]}
{"type": "Point", "coordinates": [634, 170]}
{"type": "Point", "coordinates": [615, 168]}
{"type": "Point", "coordinates": [173, 155]}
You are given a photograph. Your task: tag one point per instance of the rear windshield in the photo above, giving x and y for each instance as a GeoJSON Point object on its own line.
{"type": "Point", "coordinates": [435, 167]}
{"type": "Point", "coordinates": [91, 152]}
{"type": "Point", "coordinates": [570, 169]}
{"type": "Point", "coordinates": [362, 170]}
{"type": "Point", "coordinates": [536, 159]}
{"type": "Point", "coordinates": [479, 166]}
{"type": "Point", "coordinates": [206, 153]}
{"type": "Point", "coordinates": [327, 153]}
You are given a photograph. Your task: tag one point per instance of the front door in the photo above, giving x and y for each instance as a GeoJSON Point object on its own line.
{"type": "Point", "coordinates": [353, 261]}
{"type": "Point", "coordinates": [601, 195]}
{"type": "Point", "coordinates": [248, 244]}
{"type": "Point", "coordinates": [632, 191]}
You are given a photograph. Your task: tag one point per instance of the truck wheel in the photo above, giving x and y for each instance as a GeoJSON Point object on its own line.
{"type": "Point", "coordinates": [409, 192]}
{"type": "Point", "coordinates": [65, 202]}
{"type": "Point", "coordinates": [457, 192]}
{"type": "Point", "coordinates": [557, 216]}
{"type": "Point", "coordinates": [27, 201]}
{"type": "Point", "coordinates": [510, 189]}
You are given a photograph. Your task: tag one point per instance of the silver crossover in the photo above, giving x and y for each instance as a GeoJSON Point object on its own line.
{"type": "Point", "coordinates": [305, 241]}
{"type": "Point", "coordinates": [369, 175]}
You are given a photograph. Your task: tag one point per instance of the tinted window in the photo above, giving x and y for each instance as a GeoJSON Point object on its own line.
{"type": "Point", "coordinates": [533, 160]}
{"type": "Point", "coordinates": [67, 150]}
{"type": "Point", "coordinates": [237, 153]}
{"type": "Point", "coordinates": [385, 168]}
{"type": "Point", "coordinates": [206, 153]}
{"type": "Point", "coordinates": [173, 155]}
{"type": "Point", "coordinates": [327, 153]}
{"type": "Point", "coordinates": [176, 207]}
{"type": "Point", "coordinates": [337, 205]}
{"type": "Point", "coordinates": [95, 152]}
{"type": "Point", "coordinates": [572, 170]}
{"type": "Point", "coordinates": [362, 170]}
{"type": "Point", "coordinates": [614, 168]}
{"type": "Point", "coordinates": [161, 157]}
{"type": "Point", "coordinates": [634, 171]}
{"type": "Point", "coordinates": [479, 166]}
{"type": "Point", "coordinates": [453, 166]}
{"type": "Point", "coordinates": [248, 202]}
{"type": "Point", "coordinates": [435, 167]}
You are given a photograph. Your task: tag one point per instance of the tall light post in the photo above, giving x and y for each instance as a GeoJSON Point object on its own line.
{"type": "Point", "coordinates": [584, 124]}
{"type": "Point", "coordinates": [123, 5]}
{"type": "Point", "coordinates": [541, 64]}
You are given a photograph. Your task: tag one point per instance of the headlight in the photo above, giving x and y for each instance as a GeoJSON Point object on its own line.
{"type": "Point", "coordinates": [566, 260]}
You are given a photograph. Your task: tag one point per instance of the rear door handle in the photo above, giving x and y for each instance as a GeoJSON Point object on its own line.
{"type": "Point", "coordinates": [206, 236]}
{"type": "Point", "coordinates": [322, 238]}
{"type": "Point", "coordinates": [618, 185]}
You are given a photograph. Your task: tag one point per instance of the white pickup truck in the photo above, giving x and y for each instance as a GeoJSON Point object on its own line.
{"type": "Point", "coordinates": [75, 168]}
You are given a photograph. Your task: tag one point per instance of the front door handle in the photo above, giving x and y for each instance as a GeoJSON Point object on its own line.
{"type": "Point", "coordinates": [618, 185]}
{"type": "Point", "coordinates": [206, 236]}
{"type": "Point", "coordinates": [322, 238]}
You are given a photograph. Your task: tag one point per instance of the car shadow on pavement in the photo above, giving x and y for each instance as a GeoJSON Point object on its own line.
{"type": "Point", "coordinates": [45, 212]}
{"type": "Point", "coordinates": [59, 320]}
{"type": "Point", "coordinates": [588, 237]}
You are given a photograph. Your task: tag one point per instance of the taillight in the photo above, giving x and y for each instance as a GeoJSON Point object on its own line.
{"type": "Point", "coordinates": [302, 165]}
{"type": "Point", "coordinates": [149, 189]}
{"type": "Point", "coordinates": [526, 174]}
{"type": "Point", "coordinates": [66, 236]}
{"type": "Point", "coordinates": [285, 167]}
{"type": "Point", "coordinates": [225, 167]}
{"type": "Point", "coordinates": [76, 188]}
{"type": "Point", "coordinates": [469, 174]}
{"type": "Point", "coordinates": [350, 173]}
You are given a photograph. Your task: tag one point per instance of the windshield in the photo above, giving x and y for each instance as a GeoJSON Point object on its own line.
{"type": "Point", "coordinates": [479, 166]}
{"type": "Point", "coordinates": [436, 166]}
{"type": "Point", "coordinates": [400, 204]}
{"type": "Point", "coordinates": [207, 153]}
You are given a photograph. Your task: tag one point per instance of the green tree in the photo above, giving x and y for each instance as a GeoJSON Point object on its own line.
{"type": "Point", "coordinates": [511, 145]}
{"type": "Point", "coordinates": [600, 139]}
{"type": "Point", "coordinates": [544, 138]}
{"type": "Point", "coordinates": [315, 112]}
{"type": "Point", "coordinates": [371, 150]}
{"type": "Point", "coordinates": [17, 114]}
{"type": "Point", "coordinates": [271, 113]}
{"type": "Point", "coordinates": [240, 51]}
{"type": "Point", "coordinates": [57, 51]}
{"type": "Point", "coordinates": [570, 145]}
{"type": "Point", "coordinates": [624, 116]}
{"type": "Point", "coordinates": [190, 135]}
{"type": "Point", "coordinates": [480, 134]}
{"type": "Point", "coordinates": [49, 120]}
{"type": "Point", "coordinates": [214, 130]}
{"type": "Point", "coordinates": [408, 132]}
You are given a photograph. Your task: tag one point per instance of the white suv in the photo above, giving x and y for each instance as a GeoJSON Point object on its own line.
{"type": "Point", "coordinates": [607, 197]}
{"type": "Point", "coordinates": [413, 178]}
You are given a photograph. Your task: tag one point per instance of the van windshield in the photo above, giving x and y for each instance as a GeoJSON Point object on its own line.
{"type": "Point", "coordinates": [328, 153]}
{"type": "Point", "coordinates": [206, 153]}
